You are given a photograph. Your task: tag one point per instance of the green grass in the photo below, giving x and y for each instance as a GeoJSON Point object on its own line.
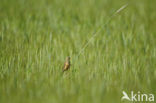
{"type": "Point", "coordinates": [37, 35]}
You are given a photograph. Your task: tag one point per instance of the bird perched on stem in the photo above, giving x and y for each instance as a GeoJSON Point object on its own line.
{"type": "Point", "coordinates": [66, 64]}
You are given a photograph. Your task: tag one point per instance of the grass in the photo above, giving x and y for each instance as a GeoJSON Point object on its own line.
{"type": "Point", "coordinates": [37, 35]}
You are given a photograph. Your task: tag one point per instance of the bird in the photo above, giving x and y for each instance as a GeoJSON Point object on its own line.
{"type": "Point", "coordinates": [66, 64]}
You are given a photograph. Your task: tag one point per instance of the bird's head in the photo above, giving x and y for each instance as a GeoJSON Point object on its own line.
{"type": "Point", "coordinates": [68, 58]}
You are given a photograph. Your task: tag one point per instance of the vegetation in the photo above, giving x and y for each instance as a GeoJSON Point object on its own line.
{"type": "Point", "coordinates": [37, 35]}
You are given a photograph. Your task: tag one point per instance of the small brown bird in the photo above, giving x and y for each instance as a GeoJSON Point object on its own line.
{"type": "Point", "coordinates": [66, 64]}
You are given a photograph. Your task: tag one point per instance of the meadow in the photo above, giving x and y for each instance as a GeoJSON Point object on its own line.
{"type": "Point", "coordinates": [37, 35]}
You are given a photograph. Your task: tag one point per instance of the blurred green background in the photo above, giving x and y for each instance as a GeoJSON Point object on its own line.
{"type": "Point", "coordinates": [37, 35]}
